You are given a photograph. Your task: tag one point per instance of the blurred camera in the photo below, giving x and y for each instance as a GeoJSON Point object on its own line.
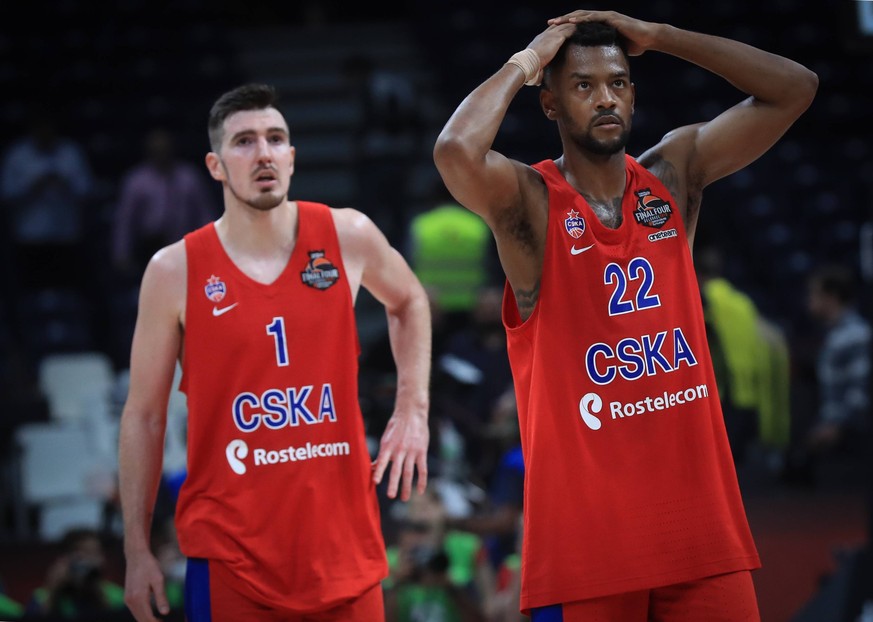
{"type": "Point", "coordinates": [82, 571]}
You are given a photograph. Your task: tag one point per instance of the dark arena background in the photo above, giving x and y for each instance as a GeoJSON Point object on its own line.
{"type": "Point", "coordinates": [106, 74]}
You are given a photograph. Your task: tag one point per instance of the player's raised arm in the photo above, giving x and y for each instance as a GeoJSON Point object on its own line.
{"type": "Point", "coordinates": [480, 178]}
{"type": "Point", "coordinates": [779, 90]}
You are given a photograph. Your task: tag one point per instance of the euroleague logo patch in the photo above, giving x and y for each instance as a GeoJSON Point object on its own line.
{"type": "Point", "coordinates": [651, 211]}
{"type": "Point", "coordinates": [574, 224]}
{"type": "Point", "coordinates": [320, 272]}
{"type": "Point", "coordinates": [215, 289]}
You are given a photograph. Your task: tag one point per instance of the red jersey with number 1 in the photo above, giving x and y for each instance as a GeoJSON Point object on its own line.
{"type": "Point", "coordinates": [279, 484]}
{"type": "Point", "coordinates": [629, 479]}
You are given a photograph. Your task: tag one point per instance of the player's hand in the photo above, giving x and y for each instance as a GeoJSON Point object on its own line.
{"type": "Point", "coordinates": [144, 581]}
{"type": "Point", "coordinates": [404, 444]}
{"type": "Point", "coordinates": [640, 35]}
{"type": "Point", "coordinates": [547, 43]}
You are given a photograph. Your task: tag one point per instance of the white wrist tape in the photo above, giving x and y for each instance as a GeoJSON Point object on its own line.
{"type": "Point", "coordinates": [529, 62]}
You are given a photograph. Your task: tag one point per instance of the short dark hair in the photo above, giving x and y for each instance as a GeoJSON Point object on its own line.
{"type": "Point", "coordinates": [246, 97]}
{"type": "Point", "coordinates": [588, 34]}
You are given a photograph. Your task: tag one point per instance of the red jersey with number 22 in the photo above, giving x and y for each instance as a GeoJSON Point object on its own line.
{"type": "Point", "coordinates": [629, 479]}
{"type": "Point", "coordinates": [279, 484]}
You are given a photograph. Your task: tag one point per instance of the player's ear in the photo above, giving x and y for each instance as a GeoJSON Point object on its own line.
{"type": "Point", "coordinates": [547, 101]}
{"type": "Point", "coordinates": [213, 164]}
{"type": "Point", "coordinates": [293, 155]}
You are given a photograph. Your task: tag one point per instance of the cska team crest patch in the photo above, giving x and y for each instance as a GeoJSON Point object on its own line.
{"type": "Point", "coordinates": [215, 289]}
{"type": "Point", "coordinates": [574, 224]}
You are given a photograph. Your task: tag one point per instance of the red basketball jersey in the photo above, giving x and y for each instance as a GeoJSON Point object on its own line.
{"type": "Point", "coordinates": [279, 480]}
{"type": "Point", "coordinates": [629, 478]}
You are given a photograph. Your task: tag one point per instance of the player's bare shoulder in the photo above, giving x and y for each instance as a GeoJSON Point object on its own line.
{"type": "Point", "coordinates": [168, 265]}
{"type": "Point", "coordinates": [356, 231]}
{"type": "Point", "coordinates": [165, 281]}
{"type": "Point", "coordinates": [349, 221]}
{"type": "Point", "coordinates": [170, 262]}
{"type": "Point", "coordinates": [672, 162]}
{"type": "Point", "coordinates": [361, 241]}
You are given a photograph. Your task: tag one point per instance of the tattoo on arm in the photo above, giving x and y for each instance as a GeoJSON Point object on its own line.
{"type": "Point", "coordinates": [526, 299]}
{"type": "Point", "coordinates": [666, 172]}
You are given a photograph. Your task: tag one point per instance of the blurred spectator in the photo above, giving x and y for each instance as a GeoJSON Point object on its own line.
{"type": "Point", "coordinates": [500, 588]}
{"type": "Point", "coordinates": [497, 520]}
{"type": "Point", "coordinates": [388, 142]}
{"type": "Point", "coordinates": [45, 184]}
{"type": "Point", "coordinates": [844, 359]}
{"type": "Point", "coordinates": [472, 374]}
{"type": "Point", "coordinates": [427, 595]}
{"type": "Point", "coordinates": [450, 250]}
{"type": "Point", "coordinates": [842, 427]}
{"type": "Point", "coordinates": [421, 587]}
{"type": "Point", "coordinates": [161, 199]}
{"type": "Point", "coordinates": [76, 586]}
{"type": "Point", "coordinates": [750, 358]}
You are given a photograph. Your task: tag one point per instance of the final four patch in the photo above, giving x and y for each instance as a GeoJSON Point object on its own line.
{"type": "Point", "coordinates": [215, 289]}
{"type": "Point", "coordinates": [574, 224]}
{"type": "Point", "coordinates": [651, 211]}
{"type": "Point", "coordinates": [320, 272]}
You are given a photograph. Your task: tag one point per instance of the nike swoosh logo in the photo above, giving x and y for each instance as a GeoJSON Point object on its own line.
{"type": "Point", "coordinates": [576, 251]}
{"type": "Point", "coordinates": [216, 311]}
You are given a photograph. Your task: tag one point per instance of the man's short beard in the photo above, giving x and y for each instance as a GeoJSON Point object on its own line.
{"type": "Point", "coordinates": [266, 202]}
{"type": "Point", "coordinates": [262, 202]}
{"type": "Point", "coordinates": [599, 147]}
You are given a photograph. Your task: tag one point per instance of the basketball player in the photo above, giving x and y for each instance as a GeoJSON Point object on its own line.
{"type": "Point", "coordinates": [632, 509]}
{"type": "Point", "coordinates": [278, 514]}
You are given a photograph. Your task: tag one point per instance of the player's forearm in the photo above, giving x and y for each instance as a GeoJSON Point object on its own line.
{"type": "Point", "coordinates": [768, 77]}
{"type": "Point", "coordinates": [409, 329]}
{"type": "Point", "coordinates": [472, 128]}
{"type": "Point", "coordinates": [140, 462]}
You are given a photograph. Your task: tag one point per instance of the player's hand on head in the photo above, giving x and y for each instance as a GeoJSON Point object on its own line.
{"type": "Point", "coordinates": [640, 35]}
{"type": "Point", "coordinates": [403, 446]}
{"type": "Point", "coordinates": [547, 43]}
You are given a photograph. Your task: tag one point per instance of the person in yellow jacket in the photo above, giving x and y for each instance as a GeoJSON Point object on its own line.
{"type": "Point", "coordinates": [449, 250]}
{"type": "Point", "coordinates": [754, 387]}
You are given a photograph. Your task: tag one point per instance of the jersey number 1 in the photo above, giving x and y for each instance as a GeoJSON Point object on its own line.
{"type": "Point", "coordinates": [277, 329]}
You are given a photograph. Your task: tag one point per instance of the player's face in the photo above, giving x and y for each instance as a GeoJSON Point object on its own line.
{"type": "Point", "coordinates": [256, 157]}
{"type": "Point", "coordinates": [592, 99]}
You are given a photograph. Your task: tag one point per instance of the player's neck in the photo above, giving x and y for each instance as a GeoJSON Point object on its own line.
{"type": "Point", "coordinates": [259, 232]}
{"type": "Point", "coordinates": [601, 178]}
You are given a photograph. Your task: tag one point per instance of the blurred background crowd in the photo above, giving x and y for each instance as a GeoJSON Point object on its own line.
{"type": "Point", "coordinates": [103, 133]}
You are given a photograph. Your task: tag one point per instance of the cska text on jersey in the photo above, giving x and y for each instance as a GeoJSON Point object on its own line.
{"type": "Point", "coordinates": [280, 408]}
{"type": "Point", "coordinates": [633, 358]}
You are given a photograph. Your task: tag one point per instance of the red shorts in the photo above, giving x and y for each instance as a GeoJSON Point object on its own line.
{"type": "Point", "coordinates": [722, 598]}
{"type": "Point", "coordinates": [210, 596]}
